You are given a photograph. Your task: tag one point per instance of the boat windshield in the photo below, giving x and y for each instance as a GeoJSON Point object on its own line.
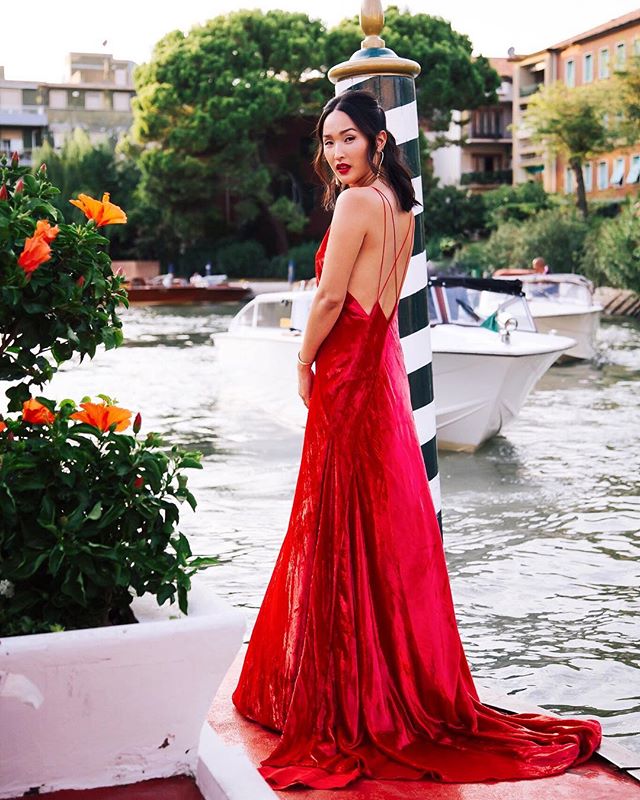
{"type": "Point", "coordinates": [558, 291]}
{"type": "Point", "coordinates": [465, 305]}
{"type": "Point", "coordinates": [289, 311]}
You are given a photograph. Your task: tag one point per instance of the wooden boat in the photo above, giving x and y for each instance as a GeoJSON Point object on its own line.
{"type": "Point", "coordinates": [167, 290]}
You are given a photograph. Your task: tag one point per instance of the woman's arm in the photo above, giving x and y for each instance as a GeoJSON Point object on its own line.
{"type": "Point", "coordinates": [348, 229]}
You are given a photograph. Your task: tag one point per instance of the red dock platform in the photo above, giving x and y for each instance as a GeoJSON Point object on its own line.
{"type": "Point", "coordinates": [598, 779]}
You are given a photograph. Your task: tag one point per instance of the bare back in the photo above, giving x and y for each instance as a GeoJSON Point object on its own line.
{"type": "Point", "coordinates": [381, 263]}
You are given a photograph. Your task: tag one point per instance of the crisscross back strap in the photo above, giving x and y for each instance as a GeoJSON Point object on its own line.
{"type": "Point", "coordinates": [396, 252]}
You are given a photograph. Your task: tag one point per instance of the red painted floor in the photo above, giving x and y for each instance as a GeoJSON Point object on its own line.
{"type": "Point", "coordinates": [596, 780]}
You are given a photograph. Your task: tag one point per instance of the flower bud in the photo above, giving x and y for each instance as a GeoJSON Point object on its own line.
{"type": "Point", "coordinates": [139, 481]}
{"type": "Point", "coordinates": [4, 195]}
{"type": "Point", "coordinates": [10, 436]}
{"type": "Point", "coordinates": [137, 423]}
{"type": "Point", "coordinates": [42, 170]}
{"type": "Point", "coordinates": [80, 281]}
{"type": "Point", "coordinates": [19, 187]}
{"type": "Point", "coordinates": [15, 159]}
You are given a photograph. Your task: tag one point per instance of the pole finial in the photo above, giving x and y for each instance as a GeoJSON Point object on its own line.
{"type": "Point", "coordinates": [371, 22]}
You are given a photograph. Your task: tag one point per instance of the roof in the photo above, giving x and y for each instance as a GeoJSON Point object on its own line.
{"type": "Point", "coordinates": [606, 27]}
{"type": "Point", "coordinates": [503, 66]}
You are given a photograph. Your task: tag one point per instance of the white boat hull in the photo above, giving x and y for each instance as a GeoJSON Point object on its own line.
{"type": "Point", "coordinates": [579, 324]}
{"type": "Point", "coordinates": [476, 394]}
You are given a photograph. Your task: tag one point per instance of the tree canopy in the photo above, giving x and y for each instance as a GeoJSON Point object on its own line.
{"type": "Point", "coordinates": [224, 115]}
{"type": "Point", "coordinates": [578, 123]}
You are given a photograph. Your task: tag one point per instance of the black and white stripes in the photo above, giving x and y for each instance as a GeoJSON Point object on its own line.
{"type": "Point", "coordinates": [396, 94]}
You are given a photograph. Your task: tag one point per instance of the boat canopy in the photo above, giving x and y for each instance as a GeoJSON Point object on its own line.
{"type": "Point", "coordinates": [479, 284]}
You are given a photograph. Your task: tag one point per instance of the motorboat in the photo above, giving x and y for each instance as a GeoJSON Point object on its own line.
{"type": "Point", "coordinates": [166, 289]}
{"type": "Point", "coordinates": [487, 356]}
{"type": "Point", "coordinates": [562, 303]}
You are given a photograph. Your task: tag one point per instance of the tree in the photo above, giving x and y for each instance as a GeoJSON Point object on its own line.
{"type": "Point", "coordinates": [578, 123]}
{"type": "Point", "coordinates": [213, 109]}
{"type": "Point", "coordinates": [81, 166]}
{"type": "Point", "coordinates": [449, 79]}
{"type": "Point", "coordinates": [224, 116]}
{"type": "Point", "coordinates": [628, 97]}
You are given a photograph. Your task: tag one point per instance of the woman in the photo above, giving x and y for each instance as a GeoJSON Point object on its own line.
{"type": "Point", "coordinates": [355, 656]}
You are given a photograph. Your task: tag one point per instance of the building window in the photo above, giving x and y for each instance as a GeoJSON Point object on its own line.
{"type": "Point", "coordinates": [588, 68]}
{"type": "Point", "coordinates": [93, 101]}
{"type": "Point", "coordinates": [58, 98]}
{"type": "Point", "coordinates": [121, 101]}
{"type": "Point", "coordinates": [634, 170]}
{"type": "Point", "coordinates": [570, 73]}
{"type": "Point", "coordinates": [587, 174]}
{"type": "Point", "coordinates": [620, 55]}
{"type": "Point", "coordinates": [603, 175]}
{"type": "Point", "coordinates": [603, 66]}
{"type": "Point", "coordinates": [618, 172]}
{"type": "Point", "coordinates": [568, 180]}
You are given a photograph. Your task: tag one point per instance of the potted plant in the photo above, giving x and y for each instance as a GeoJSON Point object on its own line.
{"type": "Point", "coordinates": [104, 679]}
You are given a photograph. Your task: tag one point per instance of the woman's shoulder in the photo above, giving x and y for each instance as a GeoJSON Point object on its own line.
{"type": "Point", "coordinates": [357, 199]}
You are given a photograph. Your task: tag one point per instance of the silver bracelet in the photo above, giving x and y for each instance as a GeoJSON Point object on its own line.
{"type": "Point", "coordinates": [304, 363]}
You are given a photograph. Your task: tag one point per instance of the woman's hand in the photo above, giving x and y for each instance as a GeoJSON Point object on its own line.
{"type": "Point", "coordinates": [305, 383]}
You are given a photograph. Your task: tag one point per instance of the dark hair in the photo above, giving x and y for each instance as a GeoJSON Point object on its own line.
{"type": "Point", "coordinates": [370, 119]}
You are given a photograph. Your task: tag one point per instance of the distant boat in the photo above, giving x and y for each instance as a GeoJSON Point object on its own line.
{"type": "Point", "coordinates": [487, 356]}
{"type": "Point", "coordinates": [562, 303]}
{"type": "Point", "coordinates": [166, 289]}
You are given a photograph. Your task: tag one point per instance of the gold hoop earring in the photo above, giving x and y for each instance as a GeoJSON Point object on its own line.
{"type": "Point", "coordinates": [381, 160]}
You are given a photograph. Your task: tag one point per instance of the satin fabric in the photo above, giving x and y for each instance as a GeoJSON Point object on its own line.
{"type": "Point", "coordinates": [355, 657]}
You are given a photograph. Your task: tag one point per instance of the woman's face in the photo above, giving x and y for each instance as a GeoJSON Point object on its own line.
{"type": "Point", "coordinates": [345, 148]}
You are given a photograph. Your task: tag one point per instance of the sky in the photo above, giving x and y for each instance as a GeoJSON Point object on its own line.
{"type": "Point", "coordinates": [34, 43]}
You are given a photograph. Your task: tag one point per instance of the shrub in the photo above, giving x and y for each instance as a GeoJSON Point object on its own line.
{"type": "Point", "coordinates": [515, 203]}
{"type": "Point", "coordinates": [449, 211]}
{"type": "Point", "coordinates": [242, 259]}
{"type": "Point", "coordinates": [302, 255]}
{"type": "Point", "coordinates": [558, 236]}
{"type": "Point", "coordinates": [88, 514]}
{"type": "Point", "coordinates": [58, 294]}
{"type": "Point", "coordinates": [612, 253]}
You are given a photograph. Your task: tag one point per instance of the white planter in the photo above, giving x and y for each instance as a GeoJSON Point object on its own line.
{"type": "Point", "coordinates": [107, 706]}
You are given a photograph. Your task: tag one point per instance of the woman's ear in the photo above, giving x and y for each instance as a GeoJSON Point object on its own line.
{"type": "Point", "coordinates": [381, 140]}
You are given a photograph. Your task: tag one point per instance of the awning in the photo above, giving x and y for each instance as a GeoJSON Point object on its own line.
{"type": "Point", "coordinates": [634, 171]}
{"type": "Point", "coordinates": [618, 173]}
{"type": "Point", "coordinates": [533, 169]}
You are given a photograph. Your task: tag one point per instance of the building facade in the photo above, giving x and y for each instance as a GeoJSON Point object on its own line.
{"type": "Point", "coordinates": [96, 97]}
{"type": "Point", "coordinates": [480, 154]}
{"type": "Point", "coordinates": [588, 57]}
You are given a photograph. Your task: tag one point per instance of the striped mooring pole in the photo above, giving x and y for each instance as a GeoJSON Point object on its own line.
{"type": "Point", "coordinates": [392, 80]}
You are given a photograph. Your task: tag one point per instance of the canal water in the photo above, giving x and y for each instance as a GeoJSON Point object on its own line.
{"type": "Point", "coordinates": [541, 525]}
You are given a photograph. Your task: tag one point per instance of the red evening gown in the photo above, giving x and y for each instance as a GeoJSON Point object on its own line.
{"type": "Point", "coordinates": [355, 657]}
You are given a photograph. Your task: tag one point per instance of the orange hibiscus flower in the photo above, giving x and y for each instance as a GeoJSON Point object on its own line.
{"type": "Point", "coordinates": [37, 248]}
{"type": "Point", "coordinates": [102, 416]}
{"type": "Point", "coordinates": [35, 412]}
{"type": "Point", "coordinates": [46, 230]}
{"type": "Point", "coordinates": [36, 251]}
{"type": "Point", "coordinates": [103, 212]}
{"type": "Point", "coordinates": [3, 426]}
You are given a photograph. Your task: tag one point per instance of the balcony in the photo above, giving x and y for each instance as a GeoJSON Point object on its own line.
{"type": "Point", "coordinates": [478, 133]}
{"type": "Point", "coordinates": [527, 91]}
{"type": "Point", "coordinates": [492, 178]}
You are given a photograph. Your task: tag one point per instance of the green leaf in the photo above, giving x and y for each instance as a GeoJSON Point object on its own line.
{"type": "Point", "coordinates": [96, 511]}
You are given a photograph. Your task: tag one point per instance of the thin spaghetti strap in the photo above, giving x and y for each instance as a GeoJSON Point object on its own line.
{"type": "Point", "coordinates": [412, 225]}
{"type": "Point", "coordinates": [384, 240]}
